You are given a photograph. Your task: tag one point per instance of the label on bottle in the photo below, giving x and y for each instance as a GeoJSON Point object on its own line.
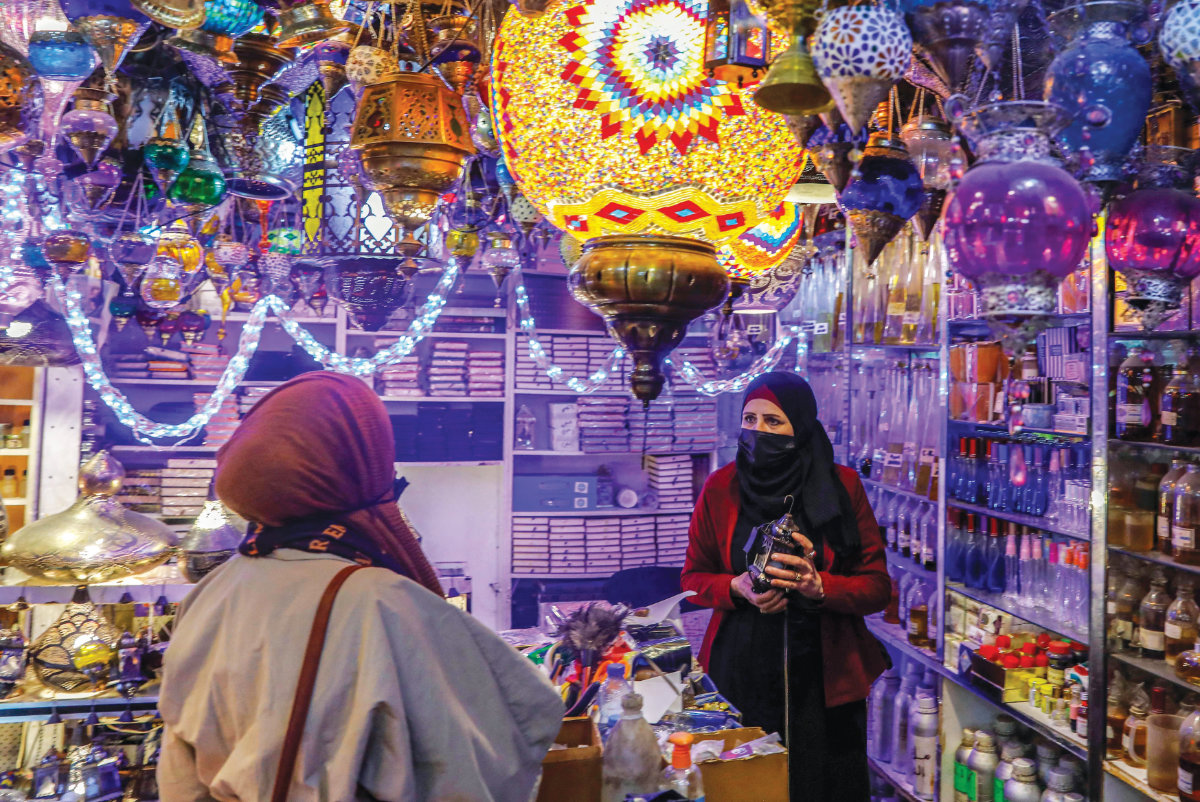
{"type": "Point", "coordinates": [924, 764]}
{"type": "Point", "coordinates": [1186, 781]}
{"type": "Point", "coordinates": [904, 539]}
{"type": "Point", "coordinates": [981, 789]}
{"type": "Point", "coordinates": [910, 451]}
{"type": "Point", "coordinates": [914, 627]}
{"type": "Point", "coordinates": [1055, 676]}
{"type": "Point", "coordinates": [1169, 418]}
{"type": "Point", "coordinates": [964, 783]}
{"type": "Point", "coordinates": [1127, 741]}
{"type": "Point", "coordinates": [1173, 631]}
{"type": "Point", "coordinates": [893, 460]}
{"type": "Point", "coordinates": [1153, 640]}
{"type": "Point", "coordinates": [1183, 538]}
{"type": "Point", "coordinates": [912, 318]}
{"type": "Point", "coordinates": [1164, 528]}
{"type": "Point", "coordinates": [896, 309]}
{"type": "Point", "coordinates": [821, 328]}
{"type": "Point", "coordinates": [998, 407]}
{"type": "Point", "coordinates": [1124, 629]}
{"type": "Point", "coordinates": [1109, 734]}
{"type": "Point", "coordinates": [1132, 414]}
{"type": "Point", "coordinates": [1111, 608]}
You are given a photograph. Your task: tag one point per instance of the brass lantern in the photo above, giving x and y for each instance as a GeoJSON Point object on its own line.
{"type": "Point", "coordinates": [737, 43]}
{"type": "Point", "coordinates": [411, 133]}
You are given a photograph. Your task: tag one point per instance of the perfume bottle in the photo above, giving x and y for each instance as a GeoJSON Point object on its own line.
{"type": "Point", "coordinates": [523, 435]}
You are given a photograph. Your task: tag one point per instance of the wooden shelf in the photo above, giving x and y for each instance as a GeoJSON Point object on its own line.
{"type": "Point", "coordinates": [14, 502]}
{"type": "Point", "coordinates": [16, 402]}
{"type": "Point", "coordinates": [1135, 777]}
{"type": "Point", "coordinates": [14, 452]}
{"type": "Point", "coordinates": [1157, 668]}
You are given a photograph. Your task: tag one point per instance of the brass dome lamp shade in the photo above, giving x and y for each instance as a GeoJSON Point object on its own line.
{"type": "Point", "coordinates": [96, 539]}
{"type": "Point", "coordinates": [412, 135]}
{"type": "Point", "coordinates": [792, 85]}
{"type": "Point", "coordinates": [308, 22]}
{"type": "Point", "coordinates": [648, 289]}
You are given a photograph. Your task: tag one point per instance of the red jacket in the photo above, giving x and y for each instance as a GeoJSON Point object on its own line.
{"type": "Point", "coordinates": [852, 657]}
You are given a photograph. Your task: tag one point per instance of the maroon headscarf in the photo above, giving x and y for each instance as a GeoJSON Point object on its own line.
{"type": "Point", "coordinates": [321, 446]}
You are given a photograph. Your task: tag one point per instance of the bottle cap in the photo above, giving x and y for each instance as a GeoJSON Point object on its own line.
{"type": "Point", "coordinates": [989, 653]}
{"type": "Point", "coordinates": [1060, 779]}
{"type": "Point", "coordinates": [1025, 769]}
{"type": "Point", "coordinates": [1027, 661]}
{"type": "Point", "coordinates": [1059, 648]}
{"type": "Point", "coordinates": [1003, 641]}
{"type": "Point", "coordinates": [985, 741]}
{"type": "Point", "coordinates": [1029, 648]}
{"type": "Point", "coordinates": [927, 704]}
{"type": "Point", "coordinates": [1011, 661]}
{"type": "Point", "coordinates": [1052, 553]}
{"type": "Point", "coordinates": [968, 736]}
{"type": "Point", "coordinates": [1025, 550]}
{"type": "Point", "coordinates": [1043, 640]}
{"type": "Point", "coordinates": [1011, 750]}
{"type": "Point", "coordinates": [1004, 726]}
{"type": "Point", "coordinates": [681, 755]}
{"type": "Point", "coordinates": [616, 671]}
{"type": "Point", "coordinates": [1010, 547]}
{"type": "Point", "coordinates": [1041, 661]}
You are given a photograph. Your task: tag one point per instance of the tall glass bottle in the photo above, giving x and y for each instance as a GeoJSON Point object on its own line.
{"type": "Point", "coordinates": [975, 557]}
{"type": "Point", "coordinates": [1166, 505]}
{"type": "Point", "coordinates": [1129, 599]}
{"type": "Point", "coordinates": [1189, 758]}
{"type": "Point", "coordinates": [1152, 618]}
{"type": "Point", "coordinates": [899, 269]}
{"type": "Point", "coordinates": [918, 616]}
{"type": "Point", "coordinates": [1137, 396]}
{"type": "Point", "coordinates": [1186, 517]}
{"type": "Point", "coordinates": [1183, 621]}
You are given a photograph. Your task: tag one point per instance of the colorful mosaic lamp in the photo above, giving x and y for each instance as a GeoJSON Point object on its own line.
{"type": "Point", "coordinates": [613, 128]}
{"type": "Point", "coordinates": [752, 259]}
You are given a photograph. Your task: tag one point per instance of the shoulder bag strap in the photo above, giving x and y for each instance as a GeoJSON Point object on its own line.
{"type": "Point", "coordinates": [304, 688]}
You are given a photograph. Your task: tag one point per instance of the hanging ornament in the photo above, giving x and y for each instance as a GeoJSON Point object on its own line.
{"type": "Point", "coordinates": [367, 65]}
{"type": "Point", "coordinates": [66, 251]}
{"type": "Point", "coordinates": [166, 153]}
{"type": "Point", "coordinates": [500, 259]}
{"type": "Point", "coordinates": [259, 58]}
{"type": "Point", "coordinates": [162, 283]}
{"type": "Point", "coordinates": [737, 43]}
{"type": "Point", "coordinates": [147, 318]}
{"type": "Point", "coordinates": [1153, 235]}
{"type": "Point", "coordinates": [224, 259]}
{"type": "Point", "coordinates": [95, 188]}
{"type": "Point", "coordinates": [1102, 81]}
{"type": "Point", "coordinates": [309, 278]}
{"type": "Point", "coordinates": [830, 150]}
{"type": "Point", "coordinates": [61, 55]}
{"type": "Point", "coordinates": [267, 164]}
{"type": "Point", "coordinates": [287, 240]}
{"type": "Point", "coordinates": [213, 538]}
{"type": "Point", "coordinates": [182, 14]}
{"type": "Point", "coordinates": [123, 307]}
{"type": "Point", "coordinates": [370, 289]}
{"type": "Point", "coordinates": [178, 243]}
{"type": "Point", "coordinates": [208, 50]}
{"type": "Point", "coordinates": [307, 22]}
{"type": "Point", "coordinates": [1017, 223]}
{"type": "Point", "coordinates": [201, 185]}
{"type": "Point", "coordinates": [455, 55]}
{"type": "Point", "coordinates": [524, 214]}
{"type": "Point", "coordinates": [276, 269]}
{"type": "Point", "coordinates": [331, 57]}
{"type": "Point", "coordinates": [929, 143]}
{"type": "Point", "coordinates": [1179, 43]}
{"type": "Point", "coordinates": [483, 132]}
{"type": "Point", "coordinates": [192, 325]}
{"type": "Point", "coordinates": [89, 127]}
{"type": "Point", "coordinates": [96, 539]}
{"type": "Point", "coordinates": [131, 252]}
{"type": "Point", "coordinates": [860, 53]}
{"type": "Point", "coordinates": [882, 195]}
{"type": "Point", "coordinates": [168, 327]}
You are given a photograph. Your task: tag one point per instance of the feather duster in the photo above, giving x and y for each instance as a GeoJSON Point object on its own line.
{"type": "Point", "coordinates": [591, 630]}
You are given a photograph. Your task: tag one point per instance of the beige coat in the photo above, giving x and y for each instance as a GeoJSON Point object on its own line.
{"type": "Point", "coordinates": [414, 699]}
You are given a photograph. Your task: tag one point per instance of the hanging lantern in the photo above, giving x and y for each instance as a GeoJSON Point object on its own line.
{"type": "Point", "coordinates": [599, 156]}
{"type": "Point", "coordinates": [90, 127]}
{"type": "Point", "coordinates": [791, 86]}
{"type": "Point", "coordinates": [483, 133]}
{"type": "Point", "coordinates": [455, 55]}
{"type": "Point", "coordinates": [1180, 46]}
{"type": "Point", "coordinates": [71, 657]}
{"type": "Point", "coordinates": [737, 43]}
{"type": "Point", "coordinates": [166, 153]}
{"type": "Point", "coordinates": [860, 53]}
{"type": "Point", "coordinates": [331, 57]}
{"type": "Point", "coordinates": [370, 289]}
{"type": "Point", "coordinates": [192, 326]}
{"type": "Point", "coordinates": [259, 58]}
{"type": "Point", "coordinates": [265, 166]}
{"type": "Point", "coordinates": [1017, 223]}
{"type": "Point", "coordinates": [759, 262]}
{"type": "Point", "coordinates": [412, 136]}
{"type": "Point", "coordinates": [224, 258]}
{"type": "Point", "coordinates": [206, 49]}
{"type": "Point", "coordinates": [309, 278]}
{"type": "Point", "coordinates": [179, 244]}
{"type": "Point", "coordinates": [201, 185]}
{"type": "Point", "coordinates": [500, 260]}
{"type": "Point", "coordinates": [61, 55]}
{"type": "Point", "coordinates": [96, 539]}
{"type": "Point", "coordinates": [929, 143]}
{"type": "Point", "coordinates": [307, 22]}
{"type": "Point", "coordinates": [112, 27]}
{"type": "Point", "coordinates": [949, 32]}
{"type": "Point", "coordinates": [123, 307]}
{"type": "Point", "coordinates": [94, 188]}
{"type": "Point", "coordinates": [66, 251]}
{"type": "Point", "coordinates": [1153, 236]}
{"type": "Point", "coordinates": [1102, 81]}
{"type": "Point", "coordinates": [882, 195]}
{"type": "Point", "coordinates": [830, 150]}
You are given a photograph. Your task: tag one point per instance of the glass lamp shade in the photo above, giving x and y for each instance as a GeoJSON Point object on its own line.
{"type": "Point", "coordinates": [213, 538]}
{"type": "Point", "coordinates": [883, 193]}
{"type": "Point", "coordinates": [89, 127]}
{"type": "Point", "coordinates": [192, 325]}
{"type": "Point", "coordinates": [231, 18]}
{"type": "Point", "coordinates": [200, 184]}
{"type": "Point", "coordinates": [929, 144]}
{"type": "Point", "coordinates": [638, 138]}
{"type": "Point", "coordinates": [764, 247]}
{"type": "Point", "coordinates": [1153, 241]}
{"type": "Point", "coordinates": [162, 283]}
{"type": "Point", "coordinates": [131, 252]}
{"type": "Point", "coordinates": [79, 9]}
{"type": "Point", "coordinates": [166, 157]}
{"type": "Point", "coordinates": [123, 307]}
{"type": "Point", "coordinates": [286, 240]}
{"type": "Point", "coordinates": [20, 99]}
{"type": "Point", "coordinates": [179, 244]}
{"type": "Point", "coordinates": [61, 55]}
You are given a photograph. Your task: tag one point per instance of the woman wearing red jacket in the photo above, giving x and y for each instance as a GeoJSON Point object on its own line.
{"type": "Point", "coordinates": [818, 703]}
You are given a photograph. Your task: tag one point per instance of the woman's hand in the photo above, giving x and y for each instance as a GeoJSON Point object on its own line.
{"type": "Point", "coordinates": [773, 601]}
{"type": "Point", "coordinates": [799, 573]}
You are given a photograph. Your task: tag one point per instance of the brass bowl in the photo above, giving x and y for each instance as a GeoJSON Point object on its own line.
{"type": "Point", "coordinates": [182, 14]}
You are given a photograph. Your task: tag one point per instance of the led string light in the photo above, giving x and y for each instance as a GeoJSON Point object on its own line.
{"type": "Point", "coordinates": [767, 362]}
{"type": "Point", "coordinates": [538, 353]}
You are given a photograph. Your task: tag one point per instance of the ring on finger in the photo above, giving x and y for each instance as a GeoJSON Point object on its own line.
{"type": "Point", "coordinates": [797, 577]}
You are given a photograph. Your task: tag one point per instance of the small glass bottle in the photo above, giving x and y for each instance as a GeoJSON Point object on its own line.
{"type": "Point", "coordinates": [1166, 505]}
{"type": "Point", "coordinates": [1182, 619]}
{"type": "Point", "coordinates": [1152, 618]}
{"type": "Point", "coordinates": [8, 483]}
{"type": "Point", "coordinates": [1129, 598]}
{"type": "Point", "coordinates": [1186, 517]}
{"type": "Point", "coordinates": [1180, 413]}
{"type": "Point", "coordinates": [524, 431]}
{"type": "Point", "coordinates": [1187, 665]}
{"type": "Point", "coordinates": [1116, 714]}
{"type": "Point", "coordinates": [918, 616]}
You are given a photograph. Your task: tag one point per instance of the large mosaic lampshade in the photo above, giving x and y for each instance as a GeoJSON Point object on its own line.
{"type": "Point", "coordinates": [614, 130]}
{"type": "Point", "coordinates": [757, 261]}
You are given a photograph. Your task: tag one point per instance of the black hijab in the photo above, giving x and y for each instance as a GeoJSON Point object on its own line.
{"type": "Point", "coordinates": [803, 469]}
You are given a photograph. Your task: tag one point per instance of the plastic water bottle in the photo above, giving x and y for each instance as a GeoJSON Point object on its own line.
{"type": "Point", "coordinates": [631, 756]}
{"type": "Point", "coordinates": [608, 701]}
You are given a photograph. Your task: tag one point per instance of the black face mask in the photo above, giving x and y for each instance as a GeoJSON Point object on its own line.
{"type": "Point", "coordinates": [766, 449]}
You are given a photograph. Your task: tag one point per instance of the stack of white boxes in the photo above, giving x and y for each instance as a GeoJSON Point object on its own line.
{"type": "Point", "coordinates": [249, 397]}
{"type": "Point", "coordinates": [568, 546]}
{"type": "Point", "coordinates": [401, 379]}
{"type": "Point", "coordinates": [671, 539]}
{"type": "Point", "coordinates": [578, 356]}
{"type": "Point", "coordinates": [447, 368]}
{"type": "Point", "coordinates": [141, 491]}
{"type": "Point", "coordinates": [220, 426]}
{"type": "Point", "coordinates": [671, 481]}
{"type": "Point", "coordinates": [527, 375]}
{"type": "Point", "coordinates": [485, 374]}
{"type": "Point", "coordinates": [695, 421]}
{"type": "Point", "coordinates": [564, 427]}
{"type": "Point", "coordinates": [637, 541]}
{"type": "Point", "coordinates": [602, 424]}
{"type": "Point", "coordinates": [208, 363]}
{"type": "Point", "coordinates": [185, 485]}
{"type": "Point", "coordinates": [531, 545]}
{"type": "Point", "coordinates": [652, 428]}
{"type": "Point", "coordinates": [700, 358]}
{"type": "Point", "coordinates": [603, 545]}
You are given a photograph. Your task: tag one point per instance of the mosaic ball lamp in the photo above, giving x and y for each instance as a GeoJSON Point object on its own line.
{"type": "Point", "coordinates": [1179, 43]}
{"type": "Point", "coordinates": [1017, 223]}
{"type": "Point", "coordinates": [1153, 236]}
{"type": "Point", "coordinates": [636, 152]}
{"type": "Point", "coordinates": [758, 261]}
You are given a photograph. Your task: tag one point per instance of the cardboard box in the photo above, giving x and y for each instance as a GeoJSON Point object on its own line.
{"type": "Point", "coordinates": [574, 773]}
{"type": "Point", "coordinates": [755, 779]}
